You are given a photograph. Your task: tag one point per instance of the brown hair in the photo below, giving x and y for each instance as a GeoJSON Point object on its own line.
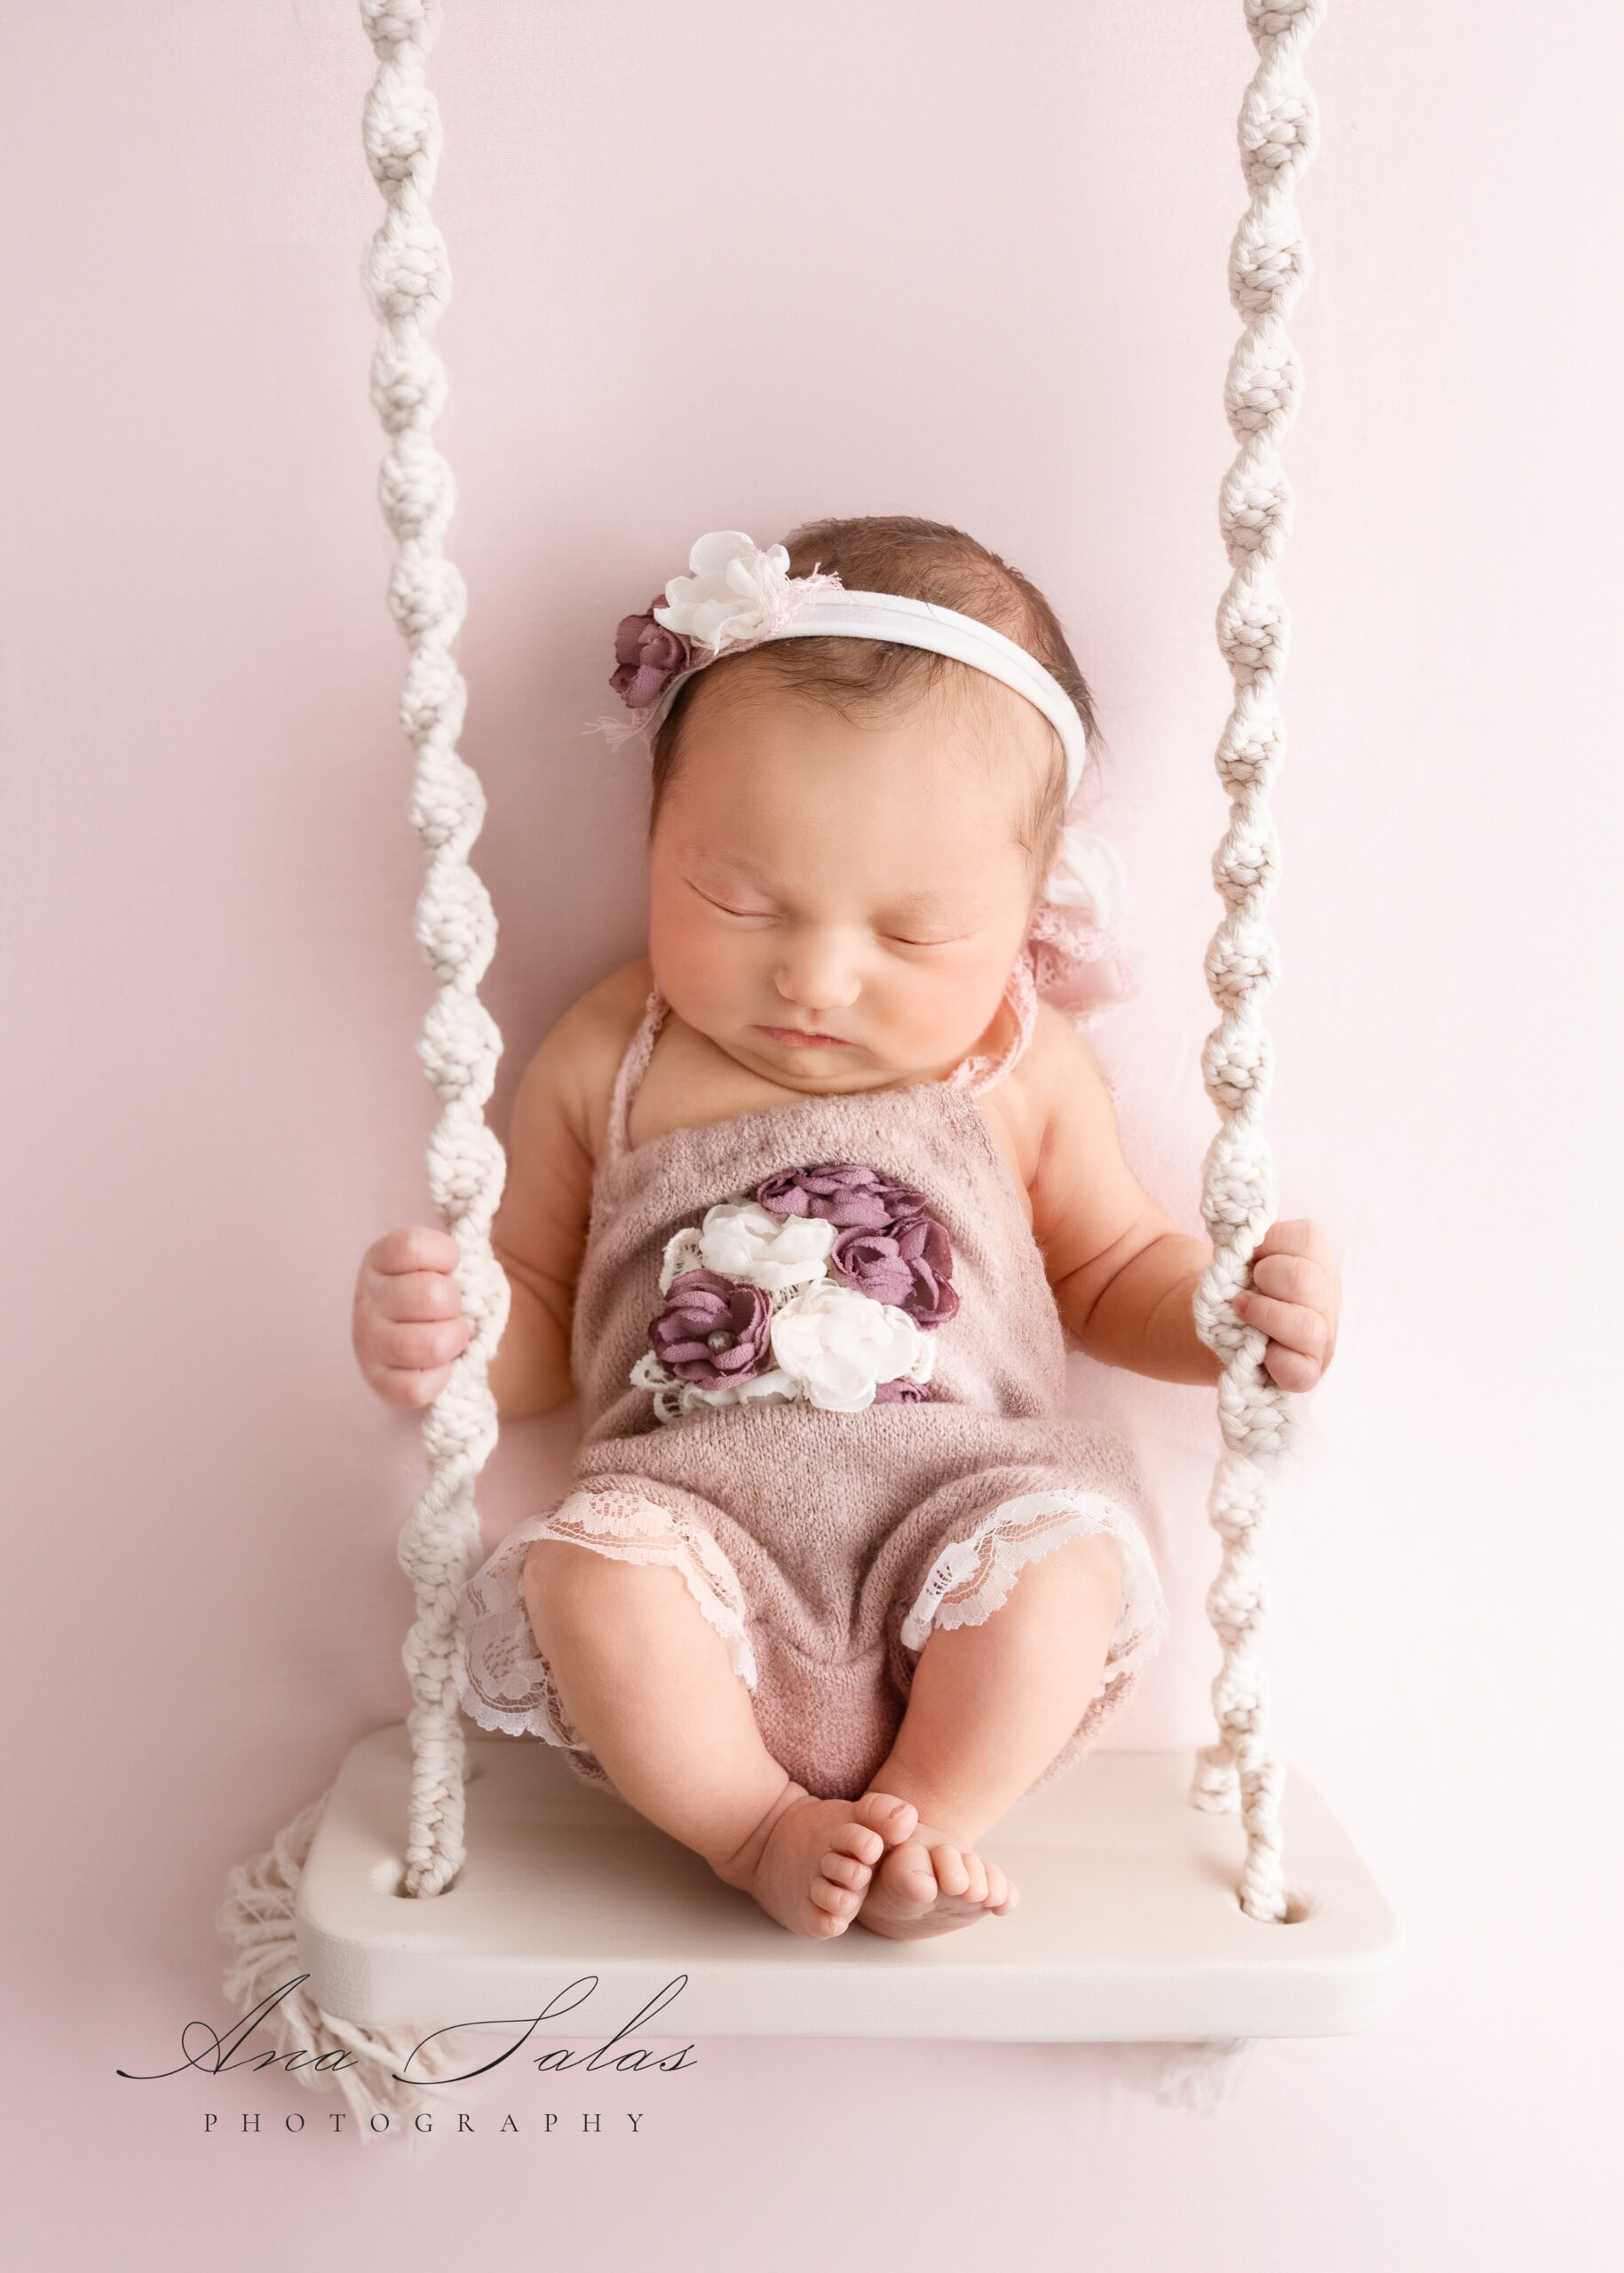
{"type": "Point", "coordinates": [925, 560]}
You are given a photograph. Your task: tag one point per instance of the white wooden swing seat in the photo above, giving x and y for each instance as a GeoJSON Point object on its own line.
{"type": "Point", "coordinates": [1128, 1927]}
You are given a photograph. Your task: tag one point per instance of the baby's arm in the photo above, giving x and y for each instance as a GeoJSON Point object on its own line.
{"type": "Point", "coordinates": [1123, 1277]}
{"type": "Point", "coordinates": [539, 1233]}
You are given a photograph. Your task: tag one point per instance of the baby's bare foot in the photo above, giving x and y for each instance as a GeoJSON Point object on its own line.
{"type": "Point", "coordinates": [810, 1861]}
{"type": "Point", "coordinates": [926, 1884]}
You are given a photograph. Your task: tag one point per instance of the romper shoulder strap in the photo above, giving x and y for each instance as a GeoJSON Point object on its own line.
{"type": "Point", "coordinates": [979, 1073]}
{"type": "Point", "coordinates": [629, 1074]}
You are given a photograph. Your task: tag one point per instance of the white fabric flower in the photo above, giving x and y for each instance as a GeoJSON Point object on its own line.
{"type": "Point", "coordinates": [742, 1240]}
{"type": "Point", "coordinates": [1090, 874]}
{"type": "Point", "coordinates": [735, 592]}
{"type": "Point", "coordinates": [839, 1345]}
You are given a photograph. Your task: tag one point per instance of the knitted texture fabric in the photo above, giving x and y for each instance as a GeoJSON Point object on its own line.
{"type": "Point", "coordinates": [824, 1545]}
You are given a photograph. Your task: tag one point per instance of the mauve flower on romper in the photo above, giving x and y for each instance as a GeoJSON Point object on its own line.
{"type": "Point", "coordinates": [911, 1267]}
{"type": "Point", "coordinates": [847, 1192]}
{"type": "Point", "coordinates": [646, 656]}
{"type": "Point", "coordinates": [901, 1391]}
{"type": "Point", "coordinates": [713, 1331]}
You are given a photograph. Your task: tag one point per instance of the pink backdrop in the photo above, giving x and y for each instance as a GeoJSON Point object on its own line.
{"type": "Point", "coordinates": [734, 266]}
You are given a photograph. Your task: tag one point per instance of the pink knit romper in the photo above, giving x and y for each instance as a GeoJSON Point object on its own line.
{"type": "Point", "coordinates": [823, 1545]}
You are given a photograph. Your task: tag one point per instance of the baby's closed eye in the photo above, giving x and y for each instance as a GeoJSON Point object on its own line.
{"type": "Point", "coordinates": [918, 934]}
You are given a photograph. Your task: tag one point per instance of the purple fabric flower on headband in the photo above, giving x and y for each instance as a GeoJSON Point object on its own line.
{"type": "Point", "coordinates": [737, 595]}
{"type": "Point", "coordinates": [712, 1330]}
{"type": "Point", "coordinates": [647, 657]}
{"type": "Point", "coordinates": [849, 1193]}
{"type": "Point", "coordinates": [910, 1268]}
{"type": "Point", "coordinates": [901, 1391]}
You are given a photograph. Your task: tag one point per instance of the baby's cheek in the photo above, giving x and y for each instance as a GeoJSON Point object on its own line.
{"type": "Point", "coordinates": [951, 999]}
{"type": "Point", "coordinates": [696, 963]}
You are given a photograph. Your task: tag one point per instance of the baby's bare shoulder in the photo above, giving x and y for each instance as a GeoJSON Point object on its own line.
{"type": "Point", "coordinates": [581, 1053]}
{"type": "Point", "coordinates": [1086, 1201]}
{"type": "Point", "coordinates": [1046, 1068]}
{"type": "Point", "coordinates": [555, 1131]}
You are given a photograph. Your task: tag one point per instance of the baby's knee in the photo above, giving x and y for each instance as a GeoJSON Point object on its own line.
{"type": "Point", "coordinates": [1076, 1583]}
{"type": "Point", "coordinates": [573, 1592]}
{"type": "Point", "coordinates": [1093, 1558]}
{"type": "Point", "coordinates": [1087, 1571]}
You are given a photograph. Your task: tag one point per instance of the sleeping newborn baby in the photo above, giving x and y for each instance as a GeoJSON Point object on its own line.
{"type": "Point", "coordinates": [804, 1205]}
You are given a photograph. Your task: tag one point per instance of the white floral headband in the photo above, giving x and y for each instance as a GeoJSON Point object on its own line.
{"type": "Point", "coordinates": [739, 597]}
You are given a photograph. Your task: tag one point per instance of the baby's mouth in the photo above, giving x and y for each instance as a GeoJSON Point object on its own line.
{"type": "Point", "coordinates": [797, 1038]}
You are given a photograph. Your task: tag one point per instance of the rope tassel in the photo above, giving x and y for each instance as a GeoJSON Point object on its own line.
{"type": "Point", "coordinates": [256, 1918]}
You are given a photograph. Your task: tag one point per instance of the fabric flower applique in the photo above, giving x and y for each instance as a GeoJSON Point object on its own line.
{"type": "Point", "coordinates": [823, 1286]}
{"type": "Point", "coordinates": [909, 1267]}
{"type": "Point", "coordinates": [737, 594]}
{"type": "Point", "coordinates": [647, 656]}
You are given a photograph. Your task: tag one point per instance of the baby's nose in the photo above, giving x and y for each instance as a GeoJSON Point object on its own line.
{"type": "Point", "coordinates": [817, 983]}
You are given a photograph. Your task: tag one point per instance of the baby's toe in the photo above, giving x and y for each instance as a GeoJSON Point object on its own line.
{"type": "Point", "coordinates": [975, 1871]}
{"type": "Point", "coordinates": [951, 1875]}
{"type": "Point", "coordinates": [857, 1840]}
{"type": "Point", "coordinates": [911, 1871]}
{"type": "Point", "coordinates": [845, 1870]}
{"type": "Point", "coordinates": [838, 1903]}
{"type": "Point", "coordinates": [891, 1818]}
{"type": "Point", "coordinates": [1000, 1894]}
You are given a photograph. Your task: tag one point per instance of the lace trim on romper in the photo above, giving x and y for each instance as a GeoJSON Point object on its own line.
{"type": "Point", "coordinates": [505, 1685]}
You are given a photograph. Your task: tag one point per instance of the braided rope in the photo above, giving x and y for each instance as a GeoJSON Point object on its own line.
{"type": "Point", "coordinates": [409, 282]}
{"type": "Point", "coordinates": [1269, 265]}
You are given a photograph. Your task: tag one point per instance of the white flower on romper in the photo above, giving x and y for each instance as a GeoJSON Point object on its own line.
{"type": "Point", "coordinates": [839, 1345]}
{"type": "Point", "coordinates": [742, 1240]}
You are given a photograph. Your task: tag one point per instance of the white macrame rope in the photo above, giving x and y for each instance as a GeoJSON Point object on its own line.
{"type": "Point", "coordinates": [1269, 265]}
{"type": "Point", "coordinates": [409, 280]}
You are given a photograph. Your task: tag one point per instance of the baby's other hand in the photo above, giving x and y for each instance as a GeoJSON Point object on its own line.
{"type": "Point", "coordinates": [1295, 1299]}
{"type": "Point", "coordinates": [406, 1323]}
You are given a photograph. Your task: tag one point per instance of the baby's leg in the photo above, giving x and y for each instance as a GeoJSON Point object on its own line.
{"type": "Point", "coordinates": [648, 1682]}
{"type": "Point", "coordinates": [990, 1707]}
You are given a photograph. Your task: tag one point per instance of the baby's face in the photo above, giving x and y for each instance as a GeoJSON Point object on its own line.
{"type": "Point", "coordinates": [860, 879]}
